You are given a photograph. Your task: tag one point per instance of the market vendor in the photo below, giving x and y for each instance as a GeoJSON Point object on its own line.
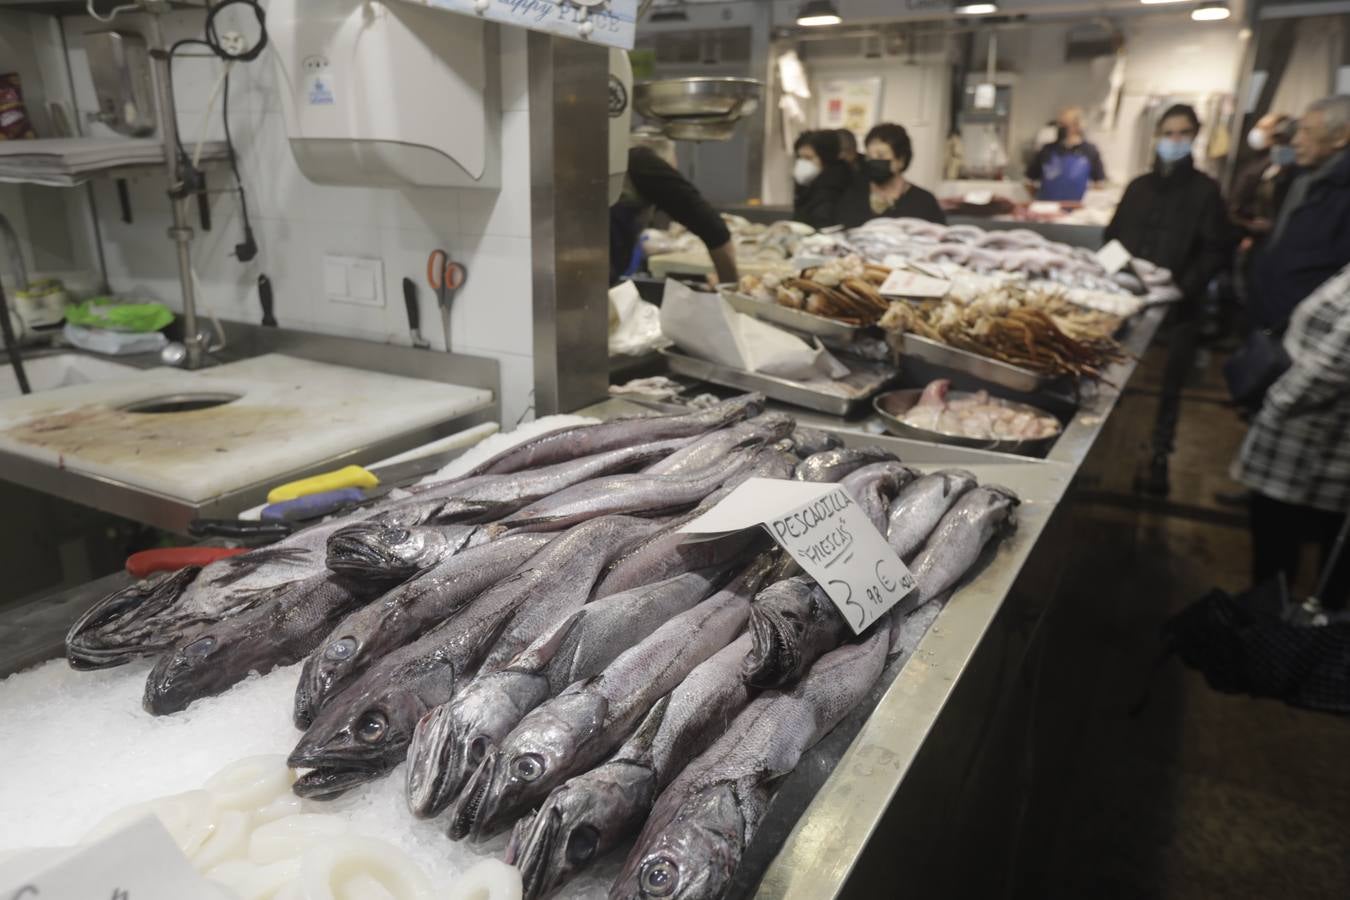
{"type": "Point", "coordinates": [883, 191]}
{"type": "Point", "coordinates": [653, 183]}
{"type": "Point", "coordinates": [1063, 169]}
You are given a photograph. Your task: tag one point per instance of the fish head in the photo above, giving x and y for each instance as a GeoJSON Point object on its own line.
{"type": "Point", "coordinates": [579, 822]}
{"type": "Point", "coordinates": [694, 856]}
{"type": "Point", "coordinates": [356, 739]}
{"type": "Point", "coordinates": [780, 618]}
{"type": "Point", "coordinates": [330, 667]}
{"type": "Point", "coordinates": [203, 664]}
{"type": "Point", "coordinates": [391, 552]}
{"type": "Point", "coordinates": [128, 622]}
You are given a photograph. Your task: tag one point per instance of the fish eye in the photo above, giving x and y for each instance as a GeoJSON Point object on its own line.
{"type": "Point", "coordinates": [199, 648]}
{"type": "Point", "coordinates": [339, 651]}
{"type": "Point", "coordinates": [581, 845]}
{"type": "Point", "coordinates": [659, 878]}
{"type": "Point", "coordinates": [528, 767]}
{"type": "Point", "coordinates": [395, 535]}
{"type": "Point", "coordinates": [370, 729]}
{"type": "Point", "coordinates": [478, 748]}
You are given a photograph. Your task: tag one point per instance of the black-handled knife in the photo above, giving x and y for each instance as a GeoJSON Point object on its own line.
{"type": "Point", "coordinates": [414, 315]}
{"type": "Point", "coordinates": [265, 298]}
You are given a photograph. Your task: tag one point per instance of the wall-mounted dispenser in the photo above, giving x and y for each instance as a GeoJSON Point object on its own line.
{"type": "Point", "coordinates": [388, 94]}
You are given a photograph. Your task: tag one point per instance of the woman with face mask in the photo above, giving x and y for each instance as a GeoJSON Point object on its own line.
{"type": "Point", "coordinates": [1174, 217]}
{"type": "Point", "coordinates": [882, 191]}
{"type": "Point", "coordinates": [819, 177]}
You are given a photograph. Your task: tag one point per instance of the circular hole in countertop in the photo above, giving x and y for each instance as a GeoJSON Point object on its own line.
{"type": "Point", "coordinates": [180, 402]}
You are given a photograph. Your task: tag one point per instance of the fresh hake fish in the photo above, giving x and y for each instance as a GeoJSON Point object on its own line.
{"type": "Point", "coordinates": [874, 486]}
{"type": "Point", "coordinates": [762, 429]}
{"type": "Point", "coordinates": [701, 824]}
{"type": "Point", "coordinates": [370, 549]}
{"type": "Point", "coordinates": [955, 544]}
{"type": "Point", "coordinates": [403, 615]}
{"type": "Point", "coordinates": [589, 815]}
{"type": "Point", "coordinates": [832, 465]}
{"type": "Point", "coordinates": [792, 624]}
{"type": "Point", "coordinates": [576, 729]}
{"type": "Point", "coordinates": [920, 505]}
{"type": "Point", "coordinates": [809, 441]}
{"type": "Point", "coordinates": [450, 741]}
{"type": "Point", "coordinates": [365, 731]}
{"type": "Point", "coordinates": [584, 440]}
{"type": "Point", "coordinates": [281, 631]}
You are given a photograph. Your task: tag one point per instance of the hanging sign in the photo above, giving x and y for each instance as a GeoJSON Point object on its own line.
{"type": "Point", "coordinates": [612, 23]}
{"type": "Point", "coordinates": [853, 104]}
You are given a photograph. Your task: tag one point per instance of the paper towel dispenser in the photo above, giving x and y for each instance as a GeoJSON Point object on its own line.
{"type": "Point", "coordinates": [388, 94]}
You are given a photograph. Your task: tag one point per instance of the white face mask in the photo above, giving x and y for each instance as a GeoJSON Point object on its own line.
{"type": "Point", "coordinates": [1258, 140]}
{"type": "Point", "coordinates": [804, 171]}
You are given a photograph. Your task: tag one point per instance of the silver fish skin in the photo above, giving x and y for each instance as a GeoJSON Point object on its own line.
{"type": "Point", "coordinates": [701, 824]}
{"type": "Point", "coordinates": [373, 550]}
{"type": "Point", "coordinates": [762, 429]}
{"type": "Point", "coordinates": [403, 615]}
{"type": "Point", "coordinates": [486, 498]}
{"type": "Point", "coordinates": [576, 729]}
{"type": "Point", "coordinates": [833, 465]}
{"type": "Point", "coordinates": [452, 739]}
{"type": "Point", "coordinates": [955, 544]}
{"type": "Point", "coordinates": [919, 507]}
{"type": "Point", "coordinates": [425, 674]}
{"type": "Point", "coordinates": [583, 440]}
{"type": "Point", "coordinates": [620, 494]}
{"type": "Point", "coordinates": [874, 486]}
{"type": "Point", "coordinates": [589, 815]}
{"type": "Point", "coordinates": [281, 631]}
{"type": "Point", "coordinates": [149, 617]}
{"type": "Point", "coordinates": [809, 441]}
{"type": "Point", "coordinates": [792, 623]}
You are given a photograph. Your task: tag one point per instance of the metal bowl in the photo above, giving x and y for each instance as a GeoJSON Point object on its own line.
{"type": "Point", "coordinates": [700, 130]}
{"type": "Point", "coordinates": [891, 405]}
{"type": "Point", "coordinates": [697, 98]}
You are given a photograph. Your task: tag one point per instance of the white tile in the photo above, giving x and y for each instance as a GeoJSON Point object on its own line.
{"type": "Point", "coordinates": [517, 374]}
{"type": "Point", "coordinates": [515, 75]}
{"type": "Point", "coordinates": [505, 212]}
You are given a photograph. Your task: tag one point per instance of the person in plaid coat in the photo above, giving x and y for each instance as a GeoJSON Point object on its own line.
{"type": "Point", "coordinates": [1296, 456]}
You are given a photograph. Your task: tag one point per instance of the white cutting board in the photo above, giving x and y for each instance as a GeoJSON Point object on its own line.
{"type": "Point", "coordinates": [291, 413]}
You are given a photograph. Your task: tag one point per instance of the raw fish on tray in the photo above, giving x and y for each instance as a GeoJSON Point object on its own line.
{"type": "Point", "coordinates": [976, 416]}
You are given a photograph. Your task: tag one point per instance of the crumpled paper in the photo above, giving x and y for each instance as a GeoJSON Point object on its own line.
{"type": "Point", "coordinates": [634, 324]}
{"type": "Point", "coordinates": [704, 325]}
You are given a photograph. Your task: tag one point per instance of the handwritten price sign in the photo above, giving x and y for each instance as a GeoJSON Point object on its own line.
{"type": "Point", "coordinates": [827, 533]}
{"type": "Point", "coordinates": [608, 22]}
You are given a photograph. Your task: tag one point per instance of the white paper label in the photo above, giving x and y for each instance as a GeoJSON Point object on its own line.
{"type": "Point", "coordinates": [1113, 257]}
{"type": "Point", "coordinates": [904, 283]}
{"type": "Point", "coordinates": [140, 862]}
{"type": "Point", "coordinates": [319, 90]}
{"type": "Point", "coordinates": [609, 22]}
{"type": "Point", "coordinates": [827, 533]}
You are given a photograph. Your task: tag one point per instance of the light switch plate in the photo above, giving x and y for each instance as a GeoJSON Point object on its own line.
{"type": "Point", "coordinates": [353, 279]}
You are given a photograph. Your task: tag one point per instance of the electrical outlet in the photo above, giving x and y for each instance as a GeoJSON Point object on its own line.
{"type": "Point", "coordinates": [353, 279]}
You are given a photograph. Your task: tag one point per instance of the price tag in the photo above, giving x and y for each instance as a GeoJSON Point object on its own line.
{"type": "Point", "coordinates": [140, 862]}
{"type": "Point", "coordinates": [1113, 257]}
{"type": "Point", "coordinates": [827, 533]}
{"type": "Point", "coordinates": [906, 283]}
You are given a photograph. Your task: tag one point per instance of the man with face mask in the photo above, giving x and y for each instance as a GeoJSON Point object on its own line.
{"type": "Point", "coordinates": [1065, 167]}
{"type": "Point", "coordinates": [1310, 240]}
{"type": "Point", "coordinates": [1174, 217]}
{"type": "Point", "coordinates": [820, 178]}
{"type": "Point", "coordinates": [1260, 187]}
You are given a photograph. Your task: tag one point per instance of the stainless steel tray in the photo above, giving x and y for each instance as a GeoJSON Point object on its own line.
{"type": "Point", "coordinates": [982, 367]}
{"type": "Point", "coordinates": [796, 319]}
{"type": "Point", "coordinates": [891, 405]}
{"type": "Point", "coordinates": [866, 379]}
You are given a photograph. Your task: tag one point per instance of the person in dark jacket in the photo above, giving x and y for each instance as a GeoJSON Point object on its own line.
{"type": "Point", "coordinates": [821, 178]}
{"type": "Point", "coordinates": [1310, 241]}
{"type": "Point", "coordinates": [1174, 217]}
{"type": "Point", "coordinates": [848, 147]}
{"type": "Point", "coordinates": [883, 191]}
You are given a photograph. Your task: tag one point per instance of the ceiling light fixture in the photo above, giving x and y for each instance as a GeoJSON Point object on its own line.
{"type": "Point", "coordinates": [1160, 2]}
{"type": "Point", "coordinates": [1210, 12]}
{"type": "Point", "coordinates": [815, 13]}
{"type": "Point", "coordinates": [975, 7]}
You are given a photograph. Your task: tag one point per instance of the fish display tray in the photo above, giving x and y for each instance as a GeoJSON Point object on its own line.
{"type": "Point", "coordinates": [796, 319]}
{"type": "Point", "coordinates": [864, 381]}
{"type": "Point", "coordinates": [892, 405]}
{"type": "Point", "coordinates": [982, 367]}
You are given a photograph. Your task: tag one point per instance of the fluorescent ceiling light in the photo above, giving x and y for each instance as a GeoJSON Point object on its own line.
{"type": "Point", "coordinates": [818, 12]}
{"type": "Point", "coordinates": [975, 8]}
{"type": "Point", "coordinates": [1160, 2]}
{"type": "Point", "coordinates": [1210, 12]}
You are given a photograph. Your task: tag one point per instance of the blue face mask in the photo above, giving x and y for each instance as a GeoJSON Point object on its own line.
{"type": "Point", "coordinates": [1170, 151]}
{"type": "Point", "coordinates": [1283, 155]}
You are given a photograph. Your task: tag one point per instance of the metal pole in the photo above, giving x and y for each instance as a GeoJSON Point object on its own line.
{"type": "Point", "coordinates": [180, 232]}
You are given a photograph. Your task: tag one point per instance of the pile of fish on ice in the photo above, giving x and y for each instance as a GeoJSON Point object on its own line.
{"type": "Point", "coordinates": [546, 650]}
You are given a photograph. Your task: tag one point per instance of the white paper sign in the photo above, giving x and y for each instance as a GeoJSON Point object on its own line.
{"type": "Point", "coordinates": [905, 283]}
{"type": "Point", "coordinates": [827, 533]}
{"type": "Point", "coordinates": [1113, 257]}
{"type": "Point", "coordinates": [609, 22]}
{"type": "Point", "coordinates": [140, 862]}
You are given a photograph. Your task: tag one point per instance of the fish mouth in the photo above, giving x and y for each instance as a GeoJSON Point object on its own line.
{"type": "Point", "coordinates": [537, 848]}
{"type": "Point", "coordinates": [775, 651]}
{"type": "Point", "coordinates": [465, 819]}
{"type": "Point", "coordinates": [91, 643]}
{"type": "Point", "coordinates": [320, 680]}
{"type": "Point", "coordinates": [330, 782]}
{"type": "Point", "coordinates": [366, 548]}
{"type": "Point", "coordinates": [429, 787]}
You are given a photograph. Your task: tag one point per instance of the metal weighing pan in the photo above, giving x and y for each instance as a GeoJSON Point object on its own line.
{"type": "Point", "coordinates": [866, 379]}
{"type": "Point", "coordinates": [796, 319]}
{"type": "Point", "coordinates": [891, 405]}
{"type": "Point", "coordinates": [982, 367]}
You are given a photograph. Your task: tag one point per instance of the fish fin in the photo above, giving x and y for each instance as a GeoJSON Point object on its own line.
{"type": "Point", "coordinates": [237, 568]}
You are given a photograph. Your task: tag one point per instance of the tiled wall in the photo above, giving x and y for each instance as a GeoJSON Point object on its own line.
{"type": "Point", "coordinates": [296, 222]}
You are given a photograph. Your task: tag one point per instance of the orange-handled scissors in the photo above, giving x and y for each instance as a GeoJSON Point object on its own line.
{"type": "Point", "coordinates": [445, 278]}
